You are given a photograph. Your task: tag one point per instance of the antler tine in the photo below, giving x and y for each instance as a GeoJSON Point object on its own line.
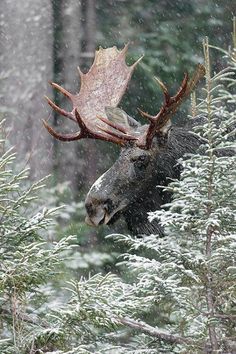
{"type": "Point", "coordinates": [146, 115]}
{"type": "Point", "coordinates": [164, 89]}
{"type": "Point", "coordinates": [60, 110]}
{"type": "Point", "coordinates": [117, 127]}
{"type": "Point", "coordinates": [182, 89]}
{"type": "Point", "coordinates": [125, 138]}
{"type": "Point", "coordinates": [114, 137]}
{"type": "Point", "coordinates": [113, 125]}
{"type": "Point", "coordinates": [62, 137]}
{"type": "Point", "coordinates": [61, 89]}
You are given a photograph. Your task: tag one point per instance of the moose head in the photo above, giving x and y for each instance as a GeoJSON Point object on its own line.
{"type": "Point", "coordinates": [149, 153]}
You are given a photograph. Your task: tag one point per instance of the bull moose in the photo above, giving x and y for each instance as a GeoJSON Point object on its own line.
{"type": "Point", "coordinates": [149, 153]}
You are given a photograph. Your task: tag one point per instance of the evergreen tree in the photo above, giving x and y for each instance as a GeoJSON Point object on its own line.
{"type": "Point", "coordinates": [28, 261]}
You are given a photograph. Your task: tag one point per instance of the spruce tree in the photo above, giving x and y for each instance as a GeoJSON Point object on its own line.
{"type": "Point", "coordinates": [28, 261]}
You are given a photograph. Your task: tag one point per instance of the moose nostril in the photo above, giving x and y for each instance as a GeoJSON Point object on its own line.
{"type": "Point", "coordinates": [108, 205]}
{"type": "Point", "coordinates": [89, 208]}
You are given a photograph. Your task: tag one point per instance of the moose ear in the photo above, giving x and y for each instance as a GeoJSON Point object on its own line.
{"type": "Point", "coordinates": [117, 115]}
{"type": "Point", "coordinates": [165, 129]}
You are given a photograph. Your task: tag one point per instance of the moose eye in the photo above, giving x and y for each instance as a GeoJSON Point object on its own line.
{"type": "Point", "coordinates": [141, 162]}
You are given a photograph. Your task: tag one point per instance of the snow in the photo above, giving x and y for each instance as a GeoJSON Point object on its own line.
{"type": "Point", "coordinates": [98, 183]}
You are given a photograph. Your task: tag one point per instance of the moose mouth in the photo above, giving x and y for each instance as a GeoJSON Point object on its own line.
{"type": "Point", "coordinates": [101, 216]}
{"type": "Point", "coordinates": [95, 221]}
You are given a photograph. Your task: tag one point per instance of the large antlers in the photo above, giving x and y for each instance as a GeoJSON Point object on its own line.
{"type": "Point", "coordinates": [159, 122]}
{"type": "Point", "coordinates": [104, 86]}
{"type": "Point", "coordinates": [170, 106]}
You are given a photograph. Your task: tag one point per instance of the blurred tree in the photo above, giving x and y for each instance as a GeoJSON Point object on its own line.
{"type": "Point", "coordinates": [26, 63]}
{"type": "Point", "coordinates": [89, 42]}
{"type": "Point", "coordinates": [169, 33]}
{"type": "Point", "coordinates": [68, 164]}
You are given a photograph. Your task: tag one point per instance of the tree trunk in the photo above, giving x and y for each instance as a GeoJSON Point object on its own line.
{"type": "Point", "coordinates": [70, 164]}
{"type": "Point", "coordinates": [26, 62]}
{"type": "Point", "coordinates": [92, 152]}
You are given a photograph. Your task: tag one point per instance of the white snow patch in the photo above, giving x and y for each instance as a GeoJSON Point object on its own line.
{"type": "Point", "coordinates": [97, 184]}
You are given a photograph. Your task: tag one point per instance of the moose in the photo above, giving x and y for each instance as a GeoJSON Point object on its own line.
{"type": "Point", "coordinates": [149, 156]}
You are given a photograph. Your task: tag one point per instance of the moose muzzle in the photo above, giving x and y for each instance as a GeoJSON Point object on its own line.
{"type": "Point", "coordinates": [98, 211]}
{"type": "Point", "coordinates": [101, 212]}
{"type": "Point", "coordinates": [97, 217]}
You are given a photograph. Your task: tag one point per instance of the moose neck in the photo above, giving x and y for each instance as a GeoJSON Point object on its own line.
{"type": "Point", "coordinates": [136, 216]}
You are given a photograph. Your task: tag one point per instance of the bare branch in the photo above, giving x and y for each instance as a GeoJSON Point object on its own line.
{"type": "Point", "coordinates": [154, 332]}
{"type": "Point", "coordinates": [35, 320]}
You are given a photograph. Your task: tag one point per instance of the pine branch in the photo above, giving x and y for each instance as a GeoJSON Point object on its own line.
{"type": "Point", "coordinates": [137, 325]}
{"type": "Point", "coordinates": [155, 332]}
{"type": "Point", "coordinates": [225, 316]}
{"type": "Point", "coordinates": [35, 320]}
